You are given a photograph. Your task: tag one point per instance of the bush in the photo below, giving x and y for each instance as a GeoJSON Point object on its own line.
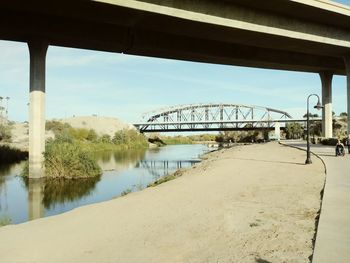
{"type": "Point", "coordinates": [294, 131]}
{"type": "Point", "coordinates": [105, 138]}
{"type": "Point", "coordinates": [92, 136]}
{"type": "Point", "coordinates": [57, 127]}
{"type": "Point", "coordinates": [66, 158]}
{"type": "Point", "coordinates": [80, 134]}
{"type": "Point", "coordinates": [69, 160]}
{"type": "Point", "coordinates": [130, 139]}
{"type": "Point", "coordinates": [329, 141]}
{"type": "Point", "coordinates": [5, 133]}
{"type": "Point", "coordinates": [177, 140]}
{"type": "Point", "coordinates": [239, 136]}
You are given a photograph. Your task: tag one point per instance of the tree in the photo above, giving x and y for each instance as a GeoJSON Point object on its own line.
{"type": "Point", "coordinates": [92, 136]}
{"type": "Point", "coordinates": [316, 128]}
{"type": "Point", "coordinates": [105, 138]}
{"type": "Point", "coordinates": [343, 114]}
{"type": "Point", "coordinates": [311, 115]}
{"type": "Point", "coordinates": [294, 131]}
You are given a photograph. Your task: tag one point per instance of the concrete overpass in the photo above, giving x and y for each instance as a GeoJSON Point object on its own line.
{"type": "Point", "coordinates": [300, 35]}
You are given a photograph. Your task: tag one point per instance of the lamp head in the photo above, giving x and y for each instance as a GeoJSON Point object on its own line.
{"type": "Point", "coordinates": [318, 106]}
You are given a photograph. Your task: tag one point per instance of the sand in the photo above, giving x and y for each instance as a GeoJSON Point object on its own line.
{"type": "Point", "coordinates": [102, 125]}
{"type": "Point", "coordinates": [254, 203]}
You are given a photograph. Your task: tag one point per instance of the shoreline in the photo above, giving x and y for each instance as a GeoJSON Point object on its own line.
{"type": "Point", "coordinates": [242, 204]}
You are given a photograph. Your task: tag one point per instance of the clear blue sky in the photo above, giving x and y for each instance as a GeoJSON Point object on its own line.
{"type": "Point", "coordinates": [82, 82]}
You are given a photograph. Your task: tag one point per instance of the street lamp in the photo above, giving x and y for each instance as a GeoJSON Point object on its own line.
{"type": "Point", "coordinates": [318, 106]}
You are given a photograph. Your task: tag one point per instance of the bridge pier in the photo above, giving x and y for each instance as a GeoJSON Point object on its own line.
{"type": "Point", "coordinates": [277, 131]}
{"type": "Point", "coordinates": [347, 68]}
{"type": "Point", "coordinates": [37, 51]}
{"type": "Point", "coordinates": [327, 113]}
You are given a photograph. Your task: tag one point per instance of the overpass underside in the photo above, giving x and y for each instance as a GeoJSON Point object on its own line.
{"type": "Point", "coordinates": [299, 35]}
{"type": "Point", "coordinates": [276, 34]}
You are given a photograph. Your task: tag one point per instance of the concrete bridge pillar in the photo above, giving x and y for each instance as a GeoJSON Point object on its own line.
{"type": "Point", "coordinates": [37, 51]}
{"type": "Point", "coordinates": [347, 68]}
{"type": "Point", "coordinates": [277, 131]}
{"type": "Point", "coordinates": [327, 122]}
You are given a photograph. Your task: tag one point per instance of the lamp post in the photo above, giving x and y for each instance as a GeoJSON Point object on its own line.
{"type": "Point", "coordinates": [318, 106]}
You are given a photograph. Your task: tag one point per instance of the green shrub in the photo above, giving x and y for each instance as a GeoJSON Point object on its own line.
{"type": "Point", "coordinates": [66, 158]}
{"type": "Point", "coordinates": [69, 160]}
{"type": "Point", "coordinates": [92, 136]}
{"type": "Point", "coordinates": [130, 139]}
{"type": "Point", "coordinates": [177, 140]}
{"type": "Point", "coordinates": [105, 138]}
{"type": "Point", "coordinates": [57, 127]}
{"type": "Point", "coordinates": [80, 134]}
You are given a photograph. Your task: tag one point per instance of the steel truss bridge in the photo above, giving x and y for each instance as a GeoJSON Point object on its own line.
{"type": "Point", "coordinates": [212, 117]}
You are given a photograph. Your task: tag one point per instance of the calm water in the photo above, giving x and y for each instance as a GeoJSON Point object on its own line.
{"type": "Point", "coordinates": [133, 170]}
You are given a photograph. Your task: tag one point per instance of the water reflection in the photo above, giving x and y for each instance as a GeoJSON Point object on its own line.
{"type": "Point", "coordinates": [23, 200]}
{"type": "Point", "coordinates": [47, 193]}
{"type": "Point", "coordinates": [4, 170]}
{"type": "Point", "coordinates": [159, 168]}
{"type": "Point", "coordinates": [119, 160]}
{"type": "Point", "coordinates": [35, 198]}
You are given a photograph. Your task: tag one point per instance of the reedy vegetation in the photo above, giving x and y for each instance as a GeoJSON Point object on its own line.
{"type": "Point", "coordinates": [70, 154]}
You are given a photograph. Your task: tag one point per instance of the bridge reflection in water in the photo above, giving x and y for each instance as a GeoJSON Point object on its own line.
{"type": "Point", "coordinates": [45, 194]}
{"type": "Point", "coordinates": [159, 168]}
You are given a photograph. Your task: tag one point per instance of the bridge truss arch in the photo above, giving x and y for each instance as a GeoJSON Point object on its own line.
{"type": "Point", "coordinates": [211, 117]}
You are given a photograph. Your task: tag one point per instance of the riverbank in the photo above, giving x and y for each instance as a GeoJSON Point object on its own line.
{"type": "Point", "coordinates": [244, 204]}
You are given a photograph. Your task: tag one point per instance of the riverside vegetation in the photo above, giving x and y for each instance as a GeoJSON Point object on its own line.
{"type": "Point", "coordinates": [179, 139]}
{"type": "Point", "coordinates": [11, 155]}
{"type": "Point", "coordinates": [7, 153]}
{"type": "Point", "coordinates": [70, 154]}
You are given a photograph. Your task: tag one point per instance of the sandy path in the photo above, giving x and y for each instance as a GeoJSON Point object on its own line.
{"type": "Point", "coordinates": [249, 204]}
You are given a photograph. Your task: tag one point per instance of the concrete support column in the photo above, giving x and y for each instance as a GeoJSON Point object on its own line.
{"type": "Point", "coordinates": [37, 50]}
{"type": "Point", "coordinates": [347, 68]}
{"type": "Point", "coordinates": [327, 122]}
{"type": "Point", "coordinates": [277, 131]}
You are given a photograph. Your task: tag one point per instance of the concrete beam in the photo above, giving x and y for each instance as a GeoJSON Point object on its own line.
{"type": "Point", "coordinates": [327, 123]}
{"type": "Point", "coordinates": [37, 50]}
{"type": "Point", "coordinates": [347, 68]}
{"type": "Point", "coordinates": [237, 32]}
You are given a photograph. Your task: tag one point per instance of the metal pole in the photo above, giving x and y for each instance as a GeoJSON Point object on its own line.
{"type": "Point", "coordinates": [308, 158]}
{"type": "Point", "coordinates": [318, 106]}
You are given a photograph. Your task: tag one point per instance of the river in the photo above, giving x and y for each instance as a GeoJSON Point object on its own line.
{"type": "Point", "coordinates": [132, 170]}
